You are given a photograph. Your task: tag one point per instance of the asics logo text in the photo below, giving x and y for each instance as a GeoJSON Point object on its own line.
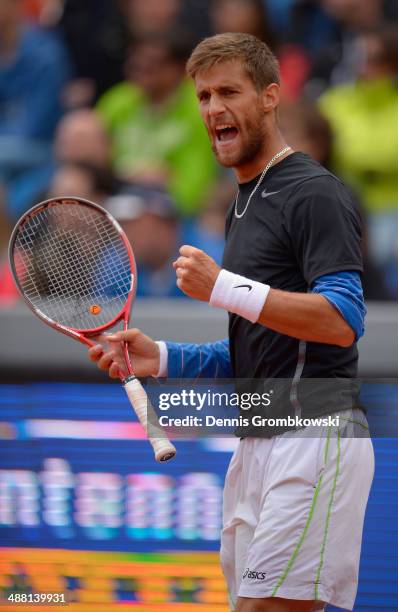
{"type": "Point", "coordinates": [253, 575]}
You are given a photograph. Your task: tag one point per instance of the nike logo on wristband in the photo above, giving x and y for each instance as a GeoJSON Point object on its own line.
{"type": "Point", "coordinates": [249, 287]}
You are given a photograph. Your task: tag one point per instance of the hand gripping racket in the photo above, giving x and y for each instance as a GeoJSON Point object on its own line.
{"type": "Point", "coordinates": [75, 268]}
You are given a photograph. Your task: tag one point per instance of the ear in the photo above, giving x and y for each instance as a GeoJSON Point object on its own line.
{"type": "Point", "coordinates": [271, 97]}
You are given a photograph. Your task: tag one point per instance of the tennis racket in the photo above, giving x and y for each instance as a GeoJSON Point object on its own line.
{"type": "Point", "coordinates": [75, 268]}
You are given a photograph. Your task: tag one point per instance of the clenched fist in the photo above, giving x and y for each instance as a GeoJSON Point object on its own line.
{"type": "Point", "coordinates": [196, 273]}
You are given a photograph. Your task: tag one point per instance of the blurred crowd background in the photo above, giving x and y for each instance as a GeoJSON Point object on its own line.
{"type": "Point", "coordinates": [94, 102]}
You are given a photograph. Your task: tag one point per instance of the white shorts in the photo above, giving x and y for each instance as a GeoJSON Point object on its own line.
{"type": "Point", "coordinates": [294, 508]}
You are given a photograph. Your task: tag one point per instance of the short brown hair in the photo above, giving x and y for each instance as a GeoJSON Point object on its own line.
{"type": "Point", "coordinates": [257, 58]}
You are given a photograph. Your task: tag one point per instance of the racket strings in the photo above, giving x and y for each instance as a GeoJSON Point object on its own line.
{"type": "Point", "coordinates": [69, 259]}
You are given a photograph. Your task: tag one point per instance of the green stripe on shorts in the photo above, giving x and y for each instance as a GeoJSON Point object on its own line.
{"type": "Point", "coordinates": [318, 574]}
{"type": "Point", "coordinates": [307, 525]}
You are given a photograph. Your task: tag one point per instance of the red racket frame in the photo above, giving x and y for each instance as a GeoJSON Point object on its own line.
{"type": "Point", "coordinates": [78, 334]}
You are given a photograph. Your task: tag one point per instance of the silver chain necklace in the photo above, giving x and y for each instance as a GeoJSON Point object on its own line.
{"type": "Point", "coordinates": [264, 172]}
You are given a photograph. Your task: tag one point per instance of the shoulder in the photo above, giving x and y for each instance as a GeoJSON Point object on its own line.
{"type": "Point", "coordinates": [324, 186]}
{"type": "Point", "coordinates": [312, 184]}
{"type": "Point", "coordinates": [301, 168]}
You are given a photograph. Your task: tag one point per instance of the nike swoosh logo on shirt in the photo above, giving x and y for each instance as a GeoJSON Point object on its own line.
{"type": "Point", "coordinates": [249, 287]}
{"type": "Point", "coordinates": [266, 194]}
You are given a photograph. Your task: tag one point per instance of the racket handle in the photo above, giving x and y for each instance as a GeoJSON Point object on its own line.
{"type": "Point", "coordinates": [163, 448]}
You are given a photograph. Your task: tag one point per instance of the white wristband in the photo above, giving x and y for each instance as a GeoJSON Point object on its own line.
{"type": "Point", "coordinates": [239, 295]}
{"type": "Point", "coordinates": [164, 357]}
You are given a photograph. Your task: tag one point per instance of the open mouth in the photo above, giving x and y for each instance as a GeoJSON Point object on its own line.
{"type": "Point", "coordinates": [226, 133]}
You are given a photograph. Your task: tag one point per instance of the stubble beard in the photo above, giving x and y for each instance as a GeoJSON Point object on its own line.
{"type": "Point", "coordinates": [256, 136]}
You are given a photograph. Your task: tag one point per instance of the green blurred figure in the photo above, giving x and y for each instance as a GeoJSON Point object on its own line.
{"type": "Point", "coordinates": [154, 124]}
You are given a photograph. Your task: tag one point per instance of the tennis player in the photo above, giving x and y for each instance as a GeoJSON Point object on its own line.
{"type": "Point", "coordinates": [294, 503]}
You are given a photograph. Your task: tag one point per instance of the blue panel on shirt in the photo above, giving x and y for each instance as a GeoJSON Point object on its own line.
{"type": "Point", "coordinates": [344, 291]}
{"type": "Point", "coordinates": [209, 360]}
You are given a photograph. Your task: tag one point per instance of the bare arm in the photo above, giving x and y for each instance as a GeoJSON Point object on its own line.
{"type": "Point", "coordinates": [305, 316]}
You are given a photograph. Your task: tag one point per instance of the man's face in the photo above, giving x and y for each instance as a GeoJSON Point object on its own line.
{"type": "Point", "coordinates": [233, 112]}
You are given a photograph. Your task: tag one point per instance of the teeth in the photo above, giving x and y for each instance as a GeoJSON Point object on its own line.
{"type": "Point", "coordinates": [224, 127]}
